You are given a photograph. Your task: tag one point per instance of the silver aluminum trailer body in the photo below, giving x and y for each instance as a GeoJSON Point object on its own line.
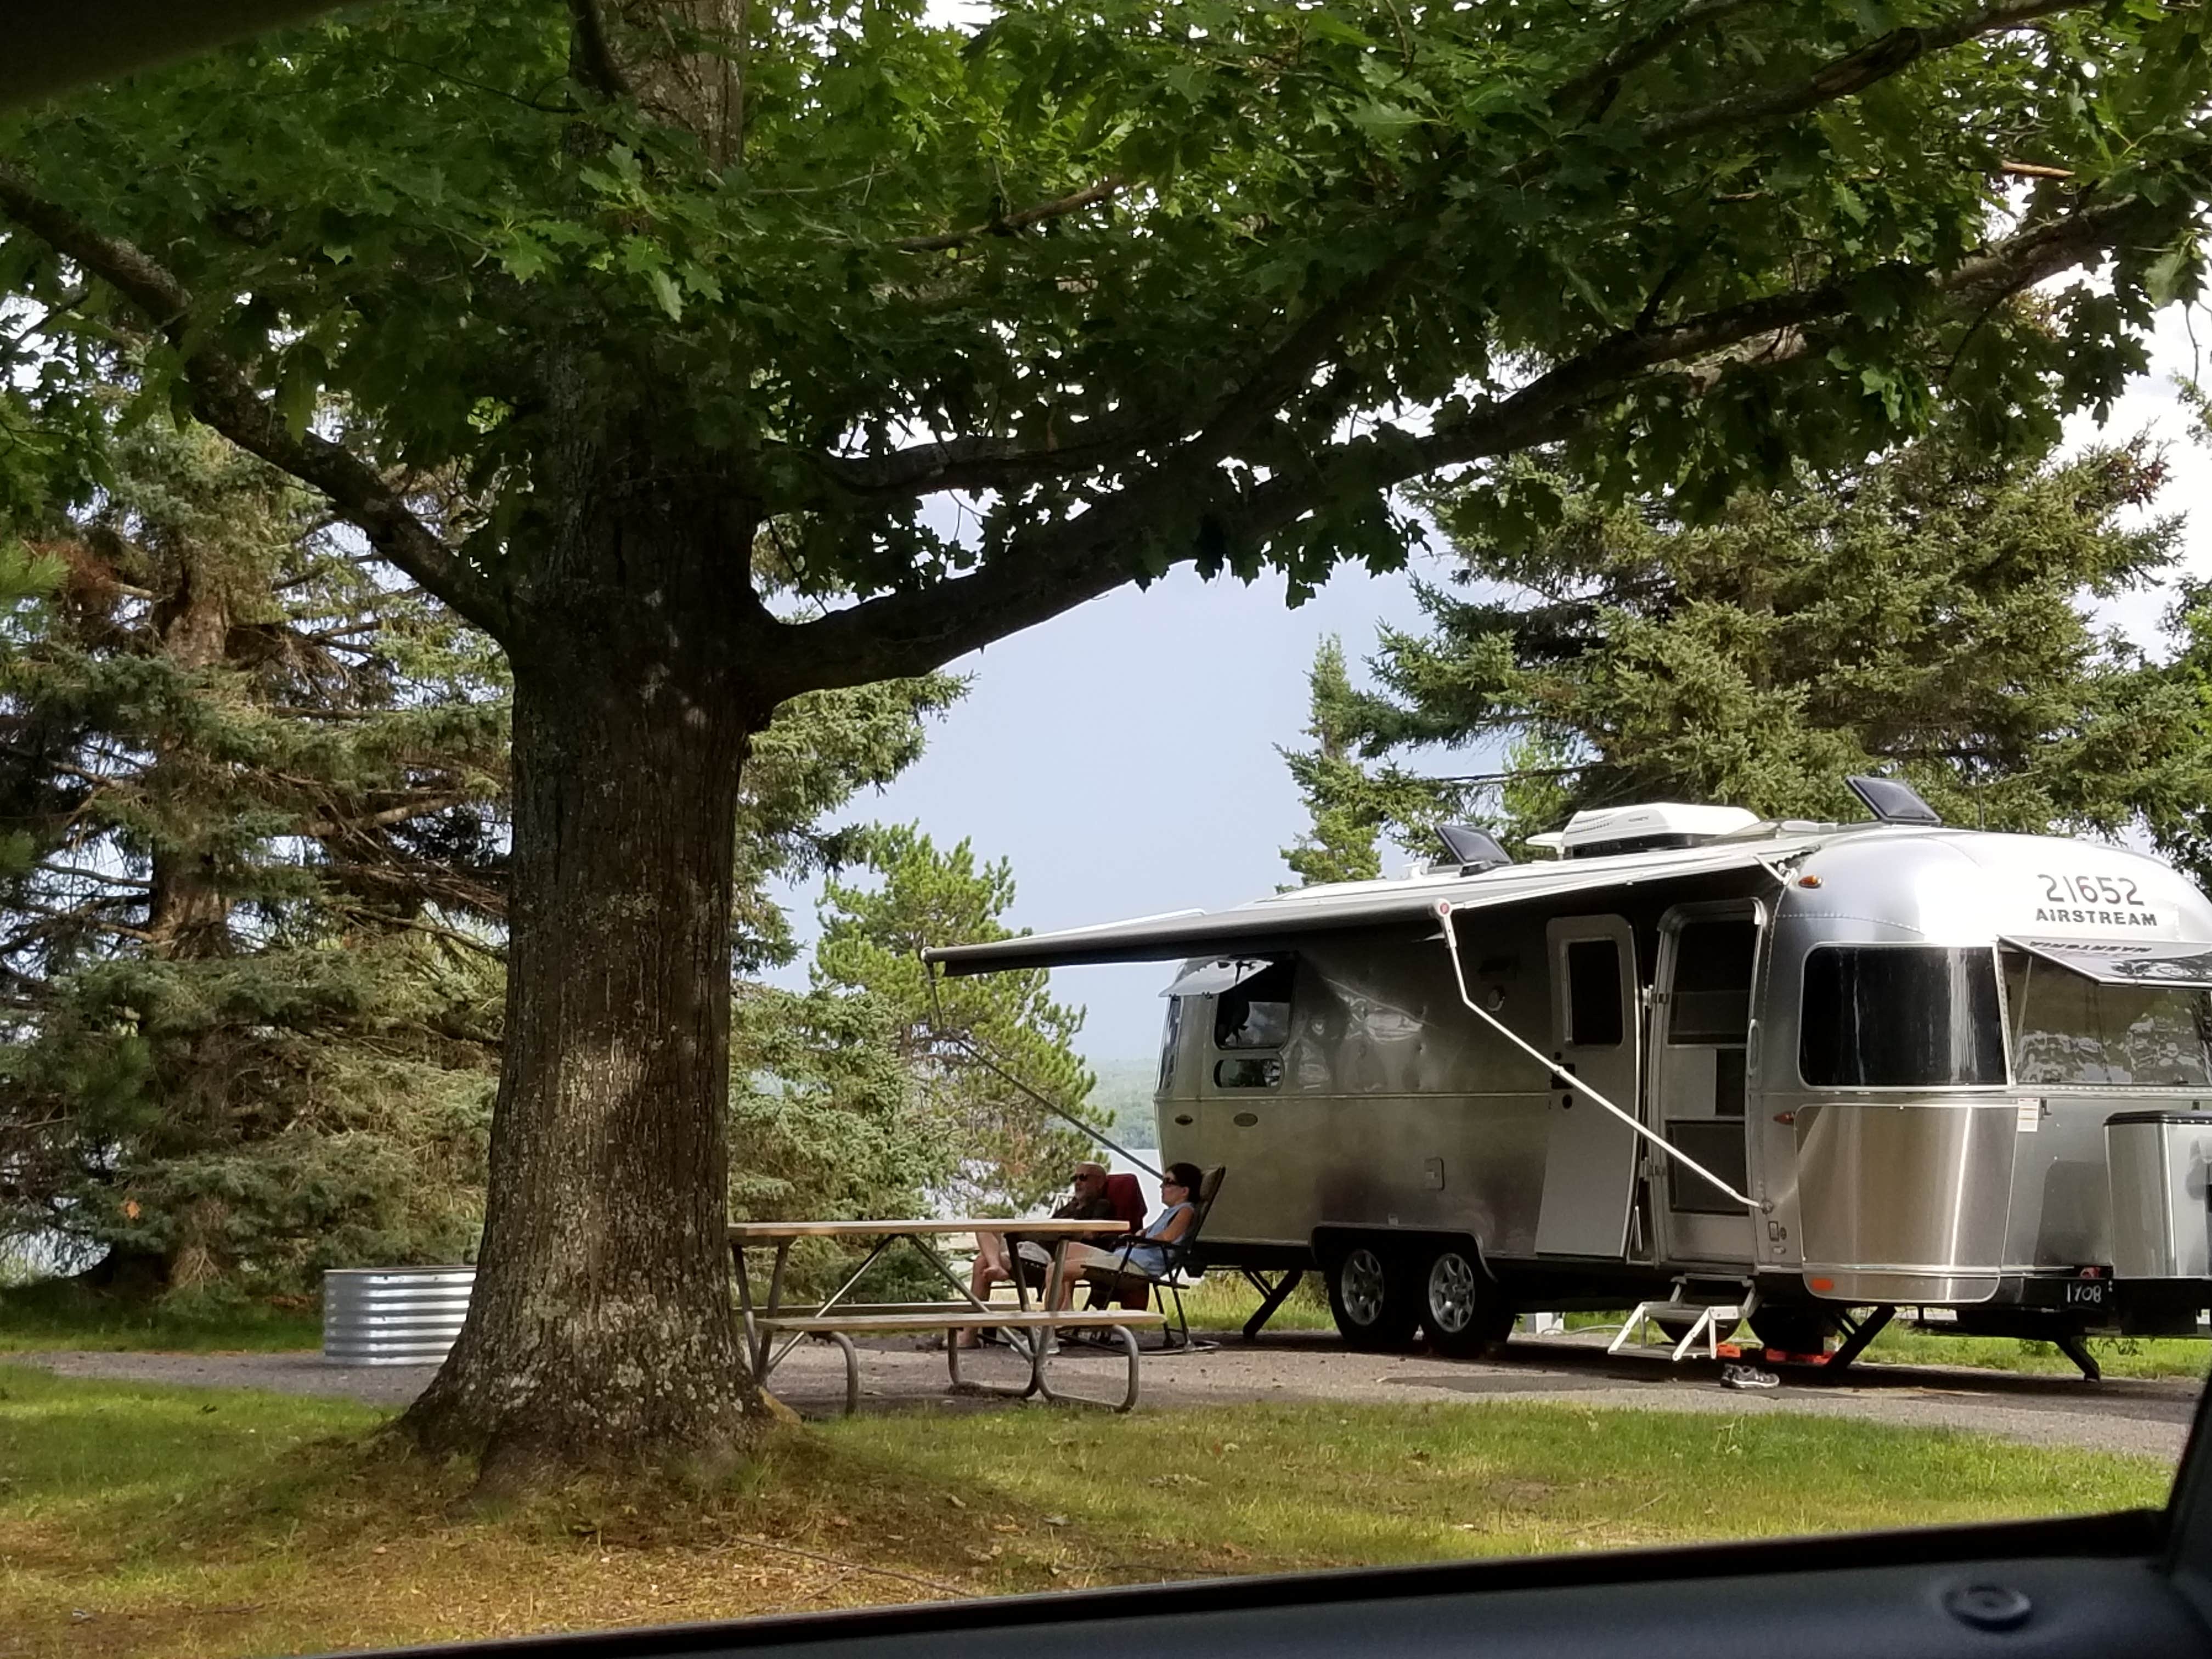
{"type": "Point", "coordinates": [1837, 1023]}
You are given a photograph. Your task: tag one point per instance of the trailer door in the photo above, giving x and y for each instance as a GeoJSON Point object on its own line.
{"type": "Point", "coordinates": [1589, 1155]}
{"type": "Point", "coordinates": [1700, 1041]}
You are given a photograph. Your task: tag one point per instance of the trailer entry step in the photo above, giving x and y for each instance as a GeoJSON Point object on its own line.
{"type": "Point", "coordinates": [1698, 1321]}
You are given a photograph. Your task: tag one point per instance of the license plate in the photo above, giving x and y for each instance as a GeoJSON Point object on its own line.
{"type": "Point", "coordinates": [2086, 1292]}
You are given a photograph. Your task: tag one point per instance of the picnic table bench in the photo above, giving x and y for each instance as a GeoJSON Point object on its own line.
{"type": "Point", "coordinates": [837, 1320]}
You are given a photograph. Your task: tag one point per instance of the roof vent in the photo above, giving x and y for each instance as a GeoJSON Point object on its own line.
{"type": "Point", "coordinates": [1610, 830]}
{"type": "Point", "coordinates": [1474, 850]}
{"type": "Point", "coordinates": [1892, 800]}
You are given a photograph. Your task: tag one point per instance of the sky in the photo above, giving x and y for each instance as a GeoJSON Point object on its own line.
{"type": "Point", "coordinates": [1124, 757]}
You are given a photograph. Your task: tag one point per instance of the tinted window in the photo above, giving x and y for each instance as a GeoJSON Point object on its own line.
{"type": "Point", "coordinates": [1900, 1016]}
{"type": "Point", "coordinates": [1247, 1072]}
{"type": "Point", "coordinates": [1257, 1013]}
{"type": "Point", "coordinates": [2069, 1030]}
{"type": "Point", "coordinates": [1593, 993]}
{"type": "Point", "coordinates": [1170, 1036]}
{"type": "Point", "coordinates": [1711, 1000]}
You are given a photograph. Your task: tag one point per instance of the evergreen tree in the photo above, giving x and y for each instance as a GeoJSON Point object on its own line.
{"type": "Point", "coordinates": [1341, 844]}
{"type": "Point", "coordinates": [1923, 615]}
{"type": "Point", "coordinates": [252, 852]}
{"type": "Point", "coordinates": [252, 787]}
{"type": "Point", "coordinates": [975, 1046]}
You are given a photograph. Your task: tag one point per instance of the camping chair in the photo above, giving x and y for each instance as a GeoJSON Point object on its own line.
{"type": "Point", "coordinates": [1127, 1195]}
{"type": "Point", "coordinates": [1130, 1279]}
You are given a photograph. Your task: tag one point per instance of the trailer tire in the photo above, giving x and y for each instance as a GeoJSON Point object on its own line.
{"type": "Point", "coordinates": [1369, 1295]}
{"type": "Point", "coordinates": [1462, 1310]}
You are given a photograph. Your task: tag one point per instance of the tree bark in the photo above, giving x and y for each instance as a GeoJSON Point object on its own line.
{"type": "Point", "coordinates": [601, 1329]}
{"type": "Point", "coordinates": [188, 913]}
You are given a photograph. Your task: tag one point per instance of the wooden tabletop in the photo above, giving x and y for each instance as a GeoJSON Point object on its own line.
{"type": "Point", "coordinates": [757, 1232]}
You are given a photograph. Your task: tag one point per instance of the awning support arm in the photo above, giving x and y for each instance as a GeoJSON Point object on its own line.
{"type": "Point", "coordinates": [976, 1053]}
{"type": "Point", "coordinates": [1459, 977]}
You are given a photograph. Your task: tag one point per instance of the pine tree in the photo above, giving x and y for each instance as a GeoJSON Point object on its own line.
{"type": "Point", "coordinates": [1341, 844]}
{"type": "Point", "coordinates": [976, 1047]}
{"type": "Point", "coordinates": [251, 877]}
{"type": "Point", "coordinates": [1923, 615]}
{"type": "Point", "coordinates": [253, 789]}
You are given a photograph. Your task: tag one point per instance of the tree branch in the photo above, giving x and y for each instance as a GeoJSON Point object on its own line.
{"type": "Point", "coordinates": [326, 828]}
{"type": "Point", "coordinates": [1633, 53]}
{"type": "Point", "coordinates": [1082, 558]}
{"type": "Point", "coordinates": [995, 463]}
{"type": "Point", "coordinates": [592, 56]}
{"type": "Point", "coordinates": [1853, 73]}
{"type": "Point", "coordinates": [223, 396]}
{"type": "Point", "coordinates": [1012, 223]}
{"type": "Point", "coordinates": [1556, 401]}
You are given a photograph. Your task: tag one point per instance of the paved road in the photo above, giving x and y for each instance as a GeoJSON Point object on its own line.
{"type": "Point", "coordinates": [2117, 1415]}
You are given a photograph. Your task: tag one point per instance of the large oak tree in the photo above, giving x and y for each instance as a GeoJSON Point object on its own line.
{"type": "Point", "coordinates": [976, 325]}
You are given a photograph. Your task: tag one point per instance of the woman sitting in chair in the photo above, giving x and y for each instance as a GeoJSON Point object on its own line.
{"type": "Point", "coordinates": [1143, 1255]}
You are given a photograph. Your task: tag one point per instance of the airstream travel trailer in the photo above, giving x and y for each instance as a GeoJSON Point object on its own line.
{"type": "Point", "coordinates": [1800, 1069]}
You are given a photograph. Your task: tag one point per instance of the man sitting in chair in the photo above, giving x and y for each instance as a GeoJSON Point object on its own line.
{"type": "Point", "coordinates": [1144, 1254]}
{"type": "Point", "coordinates": [996, 1261]}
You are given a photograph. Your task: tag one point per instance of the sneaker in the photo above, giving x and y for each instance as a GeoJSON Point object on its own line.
{"type": "Point", "coordinates": [1748, 1376]}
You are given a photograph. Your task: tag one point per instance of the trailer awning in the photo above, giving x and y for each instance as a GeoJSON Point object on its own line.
{"type": "Point", "coordinates": [2127, 960]}
{"type": "Point", "coordinates": [1274, 926]}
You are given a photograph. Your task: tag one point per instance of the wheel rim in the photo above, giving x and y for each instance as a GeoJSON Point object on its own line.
{"type": "Point", "coordinates": [1452, 1294]}
{"type": "Point", "coordinates": [1360, 1285]}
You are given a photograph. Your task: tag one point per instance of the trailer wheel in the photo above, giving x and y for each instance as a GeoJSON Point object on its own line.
{"type": "Point", "coordinates": [1462, 1309]}
{"type": "Point", "coordinates": [1375, 1307]}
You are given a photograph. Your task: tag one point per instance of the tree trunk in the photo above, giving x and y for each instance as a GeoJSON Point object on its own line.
{"type": "Point", "coordinates": [188, 913]}
{"type": "Point", "coordinates": [601, 1329]}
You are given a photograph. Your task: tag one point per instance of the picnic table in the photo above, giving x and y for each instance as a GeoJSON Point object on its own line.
{"type": "Point", "coordinates": [772, 1328]}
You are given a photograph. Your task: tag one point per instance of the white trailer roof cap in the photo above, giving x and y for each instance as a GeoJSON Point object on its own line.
{"type": "Point", "coordinates": [1649, 824]}
{"type": "Point", "coordinates": [2127, 960]}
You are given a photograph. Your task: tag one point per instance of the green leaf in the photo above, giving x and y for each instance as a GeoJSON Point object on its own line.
{"type": "Point", "coordinates": [665, 291]}
{"type": "Point", "coordinates": [297, 388]}
{"type": "Point", "coordinates": [2175, 274]}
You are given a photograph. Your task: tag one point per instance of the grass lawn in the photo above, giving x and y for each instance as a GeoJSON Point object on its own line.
{"type": "Point", "coordinates": [56, 1314]}
{"type": "Point", "coordinates": [174, 1522]}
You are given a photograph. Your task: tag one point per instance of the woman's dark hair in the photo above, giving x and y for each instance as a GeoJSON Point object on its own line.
{"type": "Point", "coordinates": [1185, 1175]}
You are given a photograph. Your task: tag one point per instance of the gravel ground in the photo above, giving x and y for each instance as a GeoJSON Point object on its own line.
{"type": "Point", "coordinates": [2123, 1415]}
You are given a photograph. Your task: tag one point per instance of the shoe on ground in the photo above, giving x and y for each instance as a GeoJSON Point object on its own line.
{"type": "Point", "coordinates": [1748, 1376]}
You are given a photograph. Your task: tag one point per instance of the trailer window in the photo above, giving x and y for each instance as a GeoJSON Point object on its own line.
{"type": "Point", "coordinates": [1247, 1072]}
{"type": "Point", "coordinates": [1711, 998]}
{"type": "Point", "coordinates": [1899, 1016]}
{"type": "Point", "coordinates": [2069, 1030]}
{"type": "Point", "coordinates": [1594, 992]}
{"type": "Point", "coordinates": [1255, 1014]}
{"type": "Point", "coordinates": [1169, 1038]}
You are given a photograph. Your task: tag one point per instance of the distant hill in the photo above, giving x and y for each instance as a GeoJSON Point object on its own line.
{"type": "Point", "coordinates": [1125, 1089]}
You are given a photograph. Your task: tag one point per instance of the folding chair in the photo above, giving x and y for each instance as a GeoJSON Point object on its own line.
{"type": "Point", "coordinates": [1129, 1278]}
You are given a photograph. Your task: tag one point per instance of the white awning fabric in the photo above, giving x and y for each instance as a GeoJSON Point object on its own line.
{"type": "Point", "coordinates": [2127, 960]}
{"type": "Point", "coordinates": [1274, 926]}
